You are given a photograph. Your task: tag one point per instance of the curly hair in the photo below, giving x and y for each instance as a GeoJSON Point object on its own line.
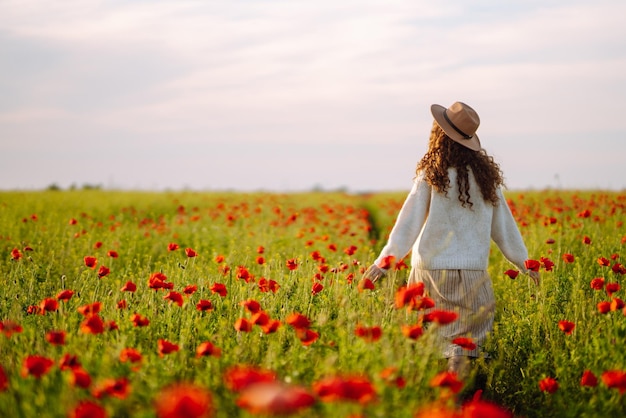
{"type": "Point", "coordinates": [444, 153]}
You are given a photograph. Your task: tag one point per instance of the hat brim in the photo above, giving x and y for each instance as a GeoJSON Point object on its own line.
{"type": "Point", "coordinates": [472, 143]}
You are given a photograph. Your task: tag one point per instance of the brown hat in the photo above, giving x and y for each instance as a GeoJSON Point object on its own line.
{"type": "Point", "coordinates": [459, 122]}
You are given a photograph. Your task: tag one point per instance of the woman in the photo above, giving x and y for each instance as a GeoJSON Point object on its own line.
{"type": "Point", "coordinates": [448, 220]}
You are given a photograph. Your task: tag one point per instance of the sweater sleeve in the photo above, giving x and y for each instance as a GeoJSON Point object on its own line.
{"type": "Point", "coordinates": [506, 234]}
{"type": "Point", "coordinates": [409, 222]}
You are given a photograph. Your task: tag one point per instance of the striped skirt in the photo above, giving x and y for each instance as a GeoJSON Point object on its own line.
{"type": "Point", "coordinates": [467, 292]}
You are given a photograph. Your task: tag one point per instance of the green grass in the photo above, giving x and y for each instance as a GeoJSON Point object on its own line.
{"type": "Point", "coordinates": [526, 346]}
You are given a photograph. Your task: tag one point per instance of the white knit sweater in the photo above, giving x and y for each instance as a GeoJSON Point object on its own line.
{"type": "Point", "coordinates": [445, 235]}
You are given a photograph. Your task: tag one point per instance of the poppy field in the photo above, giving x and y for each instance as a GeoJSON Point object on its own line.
{"type": "Point", "coordinates": [182, 304]}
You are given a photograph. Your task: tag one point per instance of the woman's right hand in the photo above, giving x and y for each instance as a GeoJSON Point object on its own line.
{"type": "Point", "coordinates": [374, 273]}
{"type": "Point", "coordinates": [535, 276]}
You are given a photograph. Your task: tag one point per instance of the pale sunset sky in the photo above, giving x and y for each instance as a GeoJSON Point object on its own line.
{"type": "Point", "coordinates": [288, 95]}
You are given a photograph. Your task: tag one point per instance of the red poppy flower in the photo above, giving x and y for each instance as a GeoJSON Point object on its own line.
{"type": "Point", "coordinates": [16, 254]}
{"type": "Point", "coordinates": [550, 241]}
{"type": "Point", "coordinates": [260, 318]}
{"type": "Point", "coordinates": [139, 320]}
{"type": "Point", "coordinates": [204, 305]}
{"type": "Point", "coordinates": [9, 327]}
{"type": "Point", "coordinates": [275, 398]}
{"type": "Point", "coordinates": [412, 331]}
{"type": "Point", "coordinates": [240, 377]}
{"type": "Point", "coordinates": [387, 262]}
{"type": "Point", "coordinates": [174, 297]}
{"type": "Point", "coordinates": [512, 273]}
{"type": "Point", "coordinates": [548, 384]}
{"type": "Point", "coordinates": [36, 366]}
{"type": "Point", "coordinates": [298, 321]}
{"type": "Point", "coordinates": [172, 246]}
{"type": "Point", "coordinates": [568, 258]}
{"type": "Point", "coordinates": [97, 245]}
{"type": "Point", "coordinates": [219, 288]}
{"type": "Point", "coordinates": [183, 400]}
{"type": "Point", "coordinates": [617, 304]}
{"type": "Point", "coordinates": [369, 334]}
{"type": "Point", "coordinates": [317, 256]}
{"type": "Point", "coordinates": [103, 271]}
{"type": "Point", "coordinates": [91, 261]}
{"type": "Point", "coordinates": [477, 408]}
{"type": "Point", "coordinates": [260, 260]}
{"type": "Point", "coordinates": [56, 337]}
{"type": "Point", "coordinates": [117, 388]}
{"type": "Point", "coordinates": [465, 343]}
{"type": "Point", "coordinates": [129, 287]}
{"type": "Point", "coordinates": [80, 378]}
{"type": "Point", "coordinates": [88, 409]}
{"type": "Point", "coordinates": [130, 355]}
{"type": "Point", "coordinates": [260, 249]}
{"type": "Point", "coordinates": [588, 379]}
{"type": "Point", "coordinates": [350, 250]}
{"type": "Point", "coordinates": [407, 295]}
{"type": "Point", "coordinates": [243, 325]}
{"type": "Point", "coordinates": [597, 283]}
{"type": "Point", "coordinates": [219, 259]}
{"type": "Point", "coordinates": [251, 305]}
{"type": "Point", "coordinates": [208, 349]}
{"type": "Point", "coordinates": [166, 347]}
{"type": "Point", "coordinates": [612, 288]}
{"type": "Point", "coordinates": [566, 326]}
{"type": "Point", "coordinates": [352, 388]}
{"type": "Point", "coordinates": [364, 284]}
{"type": "Point", "coordinates": [441, 317]}
{"type": "Point", "coordinates": [447, 380]}
{"type": "Point", "coordinates": [4, 380]}
{"type": "Point", "coordinates": [266, 285]}
{"type": "Point", "coordinates": [69, 362]}
{"type": "Point", "coordinates": [547, 263]}
{"type": "Point", "coordinates": [604, 307]}
{"type": "Point", "coordinates": [604, 262]}
{"type": "Point", "coordinates": [49, 305]}
{"type": "Point", "coordinates": [617, 268]}
{"type": "Point", "coordinates": [316, 288]}
{"type": "Point", "coordinates": [615, 379]}
{"type": "Point", "coordinates": [292, 264]}
{"type": "Point", "coordinates": [244, 274]}
{"type": "Point", "coordinates": [532, 265]}
{"type": "Point", "coordinates": [65, 295]}
{"type": "Point", "coordinates": [92, 325]}
{"type": "Point", "coordinates": [189, 252]}
{"type": "Point", "coordinates": [89, 309]}
{"type": "Point", "coordinates": [112, 254]}
{"type": "Point", "coordinates": [307, 336]}
{"type": "Point", "coordinates": [586, 240]}
{"type": "Point", "coordinates": [190, 289]}
{"type": "Point", "coordinates": [271, 326]}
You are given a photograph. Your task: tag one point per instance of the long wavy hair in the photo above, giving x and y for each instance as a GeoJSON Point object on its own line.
{"type": "Point", "coordinates": [444, 153]}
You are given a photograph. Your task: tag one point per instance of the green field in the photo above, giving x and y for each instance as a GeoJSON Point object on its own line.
{"type": "Point", "coordinates": [122, 352]}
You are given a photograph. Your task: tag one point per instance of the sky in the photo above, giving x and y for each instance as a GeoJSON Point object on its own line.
{"type": "Point", "coordinates": [291, 95]}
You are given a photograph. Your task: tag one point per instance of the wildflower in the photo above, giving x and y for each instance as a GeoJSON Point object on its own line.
{"type": "Point", "coordinates": [351, 388]}
{"type": "Point", "coordinates": [130, 355]}
{"type": "Point", "coordinates": [465, 343]}
{"type": "Point", "coordinates": [547, 263]}
{"type": "Point", "coordinates": [220, 289]}
{"type": "Point", "coordinates": [90, 261]}
{"type": "Point", "coordinates": [260, 260]}
{"type": "Point", "coordinates": [266, 285]}
{"type": "Point", "coordinates": [49, 305]}
{"type": "Point", "coordinates": [88, 409]}
{"type": "Point", "coordinates": [512, 273]}
{"type": "Point", "coordinates": [190, 252]}
{"type": "Point", "coordinates": [612, 288]}
{"type": "Point", "coordinates": [412, 331]}
{"type": "Point", "coordinates": [588, 379]}
{"type": "Point", "coordinates": [251, 305]}
{"type": "Point", "coordinates": [80, 378]}
{"type": "Point", "coordinates": [548, 384]}
{"type": "Point", "coordinates": [166, 347]}
{"type": "Point", "coordinates": [9, 327]}
{"type": "Point", "coordinates": [219, 259]}
{"type": "Point", "coordinates": [260, 318]}
{"type": "Point", "coordinates": [16, 254]}
{"type": "Point", "coordinates": [615, 379]}
{"type": "Point", "coordinates": [174, 297]}
{"type": "Point", "coordinates": [190, 289]}
{"type": "Point", "coordinates": [604, 262]}
{"type": "Point", "coordinates": [566, 326]}
{"type": "Point", "coordinates": [36, 366]}
{"type": "Point", "coordinates": [617, 304]}
{"type": "Point", "coordinates": [292, 264]}
{"type": "Point", "coordinates": [69, 362]}
{"type": "Point", "coordinates": [586, 240]}
{"type": "Point", "coordinates": [129, 287]}
{"type": "Point", "coordinates": [604, 307]}
{"type": "Point", "coordinates": [65, 295]}
{"type": "Point", "coordinates": [441, 317]}
{"type": "Point", "coordinates": [271, 326]}
{"type": "Point", "coordinates": [92, 325]}
{"type": "Point", "coordinates": [172, 246]}
{"type": "Point", "coordinates": [350, 250]}
{"type": "Point", "coordinates": [568, 258]}
{"type": "Point", "coordinates": [371, 334]}
{"type": "Point", "coordinates": [387, 262]}
{"type": "Point", "coordinates": [117, 388]}
{"type": "Point", "coordinates": [89, 309]}
{"type": "Point", "coordinates": [532, 265]}
{"type": "Point", "coordinates": [103, 271]}
{"type": "Point", "coordinates": [243, 274]}
{"type": "Point", "coordinates": [478, 408]}
{"type": "Point", "coordinates": [260, 249]}
{"type": "Point", "coordinates": [239, 377]}
{"type": "Point", "coordinates": [243, 325]}
{"type": "Point", "coordinates": [139, 320]}
{"type": "Point", "coordinates": [4, 380]}
{"type": "Point", "coordinates": [208, 349]}
{"type": "Point", "coordinates": [447, 380]}
{"type": "Point", "coordinates": [204, 305]}
{"type": "Point", "coordinates": [307, 336]}
{"type": "Point", "coordinates": [316, 288]}
{"type": "Point", "coordinates": [617, 268]}
{"type": "Point", "coordinates": [366, 284]}
{"type": "Point", "coordinates": [298, 321]}
{"type": "Point", "coordinates": [56, 337]}
{"type": "Point", "coordinates": [597, 283]}
{"type": "Point", "coordinates": [112, 254]}
{"type": "Point", "coordinates": [183, 400]}
{"type": "Point", "coordinates": [275, 398]}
